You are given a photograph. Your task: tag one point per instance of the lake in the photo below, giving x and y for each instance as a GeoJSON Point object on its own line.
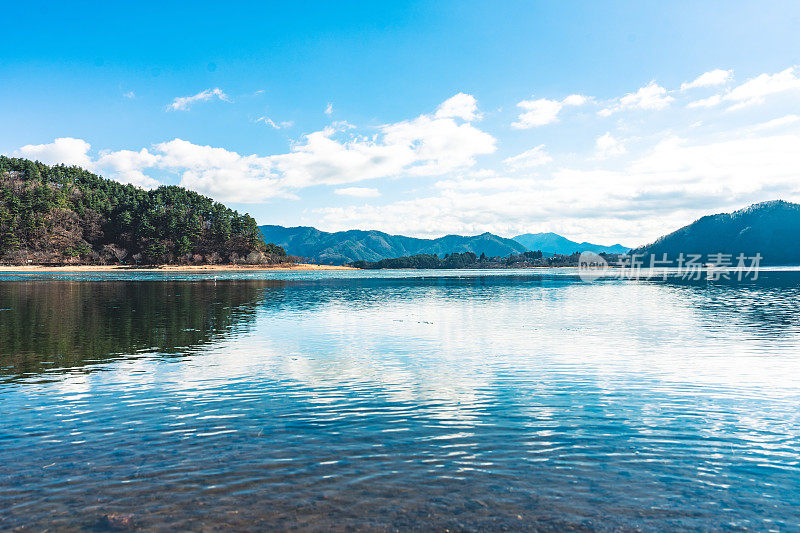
{"type": "Point", "coordinates": [519, 400]}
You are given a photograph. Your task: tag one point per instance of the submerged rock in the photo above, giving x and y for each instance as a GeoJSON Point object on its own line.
{"type": "Point", "coordinates": [117, 521]}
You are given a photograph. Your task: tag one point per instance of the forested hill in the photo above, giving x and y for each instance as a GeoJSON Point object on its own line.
{"type": "Point", "coordinates": [771, 229]}
{"type": "Point", "coordinates": [60, 214]}
{"type": "Point", "coordinates": [356, 245]}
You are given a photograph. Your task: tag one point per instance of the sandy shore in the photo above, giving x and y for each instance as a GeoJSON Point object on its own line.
{"type": "Point", "coordinates": [168, 268]}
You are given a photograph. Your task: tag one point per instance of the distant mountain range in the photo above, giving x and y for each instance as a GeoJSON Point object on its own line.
{"type": "Point", "coordinates": [552, 243]}
{"type": "Point", "coordinates": [345, 246]}
{"type": "Point", "coordinates": [769, 228]}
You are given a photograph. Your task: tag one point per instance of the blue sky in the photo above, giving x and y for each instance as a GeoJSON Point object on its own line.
{"type": "Point", "coordinates": [592, 120]}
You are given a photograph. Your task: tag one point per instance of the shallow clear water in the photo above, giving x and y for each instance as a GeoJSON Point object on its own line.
{"type": "Point", "coordinates": [399, 400]}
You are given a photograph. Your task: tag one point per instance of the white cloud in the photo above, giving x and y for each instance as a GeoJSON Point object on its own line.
{"type": "Point", "coordinates": [130, 95]}
{"type": "Point", "coordinates": [438, 145]}
{"type": "Point", "coordinates": [608, 146]}
{"type": "Point", "coordinates": [359, 192]}
{"type": "Point", "coordinates": [651, 97]}
{"type": "Point", "coordinates": [64, 150]}
{"type": "Point", "coordinates": [709, 79]}
{"type": "Point", "coordinates": [537, 113]}
{"type": "Point", "coordinates": [463, 106]}
{"type": "Point", "coordinates": [183, 103]}
{"type": "Point", "coordinates": [428, 145]}
{"type": "Point", "coordinates": [777, 123]}
{"type": "Point", "coordinates": [275, 125]}
{"type": "Point", "coordinates": [424, 146]}
{"type": "Point", "coordinates": [534, 157]}
{"type": "Point", "coordinates": [485, 183]}
{"type": "Point", "coordinates": [575, 99]}
{"type": "Point", "coordinates": [540, 112]}
{"type": "Point", "coordinates": [754, 90]}
{"type": "Point", "coordinates": [223, 174]}
{"type": "Point", "coordinates": [126, 166]}
{"type": "Point", "coordinates": [591, 195]}
{"type": "Point", "coordinates": [711, 101]}
{"type": "Point", "coordinates": [664, 188]}
{"type": "Point", "coordinates": [180, 153]}
{"type": "Point", "coordinates": [329, 109]}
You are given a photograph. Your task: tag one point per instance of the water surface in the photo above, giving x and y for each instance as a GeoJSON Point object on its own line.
{"type": "Point", "coordinates": [410, 400]}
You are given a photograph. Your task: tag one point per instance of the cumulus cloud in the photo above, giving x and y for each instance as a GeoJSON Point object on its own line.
{"type": "Point", "coordinates": [463, 106]}
{"type": "Point", "coordinates": [651, 97]}
{"type": "Point", "coordinates": [608, 146]}
{"type": "Point", "coordinates": [709, 79]}
{"type": "Point", "coordinates": [423, 146]}
{"type": "Point", "coordinates": [575, 99]}
{"type": "Point", "coordinates": [428, 145]}
{"type": "Point", "coordinates": [125, 166]}
{"type": "Point", "coordinates": [64, 150]}
{"type": "Point", "coordinates": [358, 192]}
{"type": "Point", "coordinates": [183, 103]}
{"type": "Point", "coordinates": [541, 111]}
{"type": "Point", "coordinates": [534, 157]}
{"type": "Point", "coordinates": [223, 174]}
{"type": "Point", "coordinates": [438, 145]}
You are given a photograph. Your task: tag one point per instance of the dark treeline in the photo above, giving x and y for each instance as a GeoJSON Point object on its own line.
{"type": "Point", "coordinates": [454, 260]}
{"type": "Point", "coordinates": [471, 260]}
{"type": "Point", "coordinates": [60, 214]}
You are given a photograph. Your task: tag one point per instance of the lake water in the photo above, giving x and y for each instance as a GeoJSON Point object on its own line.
{"type": "Point", "coordinates": [512, 400]}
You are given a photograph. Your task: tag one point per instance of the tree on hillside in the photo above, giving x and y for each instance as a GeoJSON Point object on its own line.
{"type": "Point", "coordinates": [59, 213]}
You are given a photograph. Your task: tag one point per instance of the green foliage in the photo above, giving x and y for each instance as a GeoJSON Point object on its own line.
{"type": "Point", "coordinates": [274, 249]}
{"type": "Point", "coordinates": [78, 250]}
{"type": "Point", "coordinates": [56, 211]}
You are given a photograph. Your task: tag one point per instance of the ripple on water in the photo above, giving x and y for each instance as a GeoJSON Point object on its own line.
{"type": "Point", "coordinates": [424, 402]}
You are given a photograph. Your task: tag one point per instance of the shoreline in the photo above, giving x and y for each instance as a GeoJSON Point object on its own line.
{"type": "Point", "coordinates": [22, 269]}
